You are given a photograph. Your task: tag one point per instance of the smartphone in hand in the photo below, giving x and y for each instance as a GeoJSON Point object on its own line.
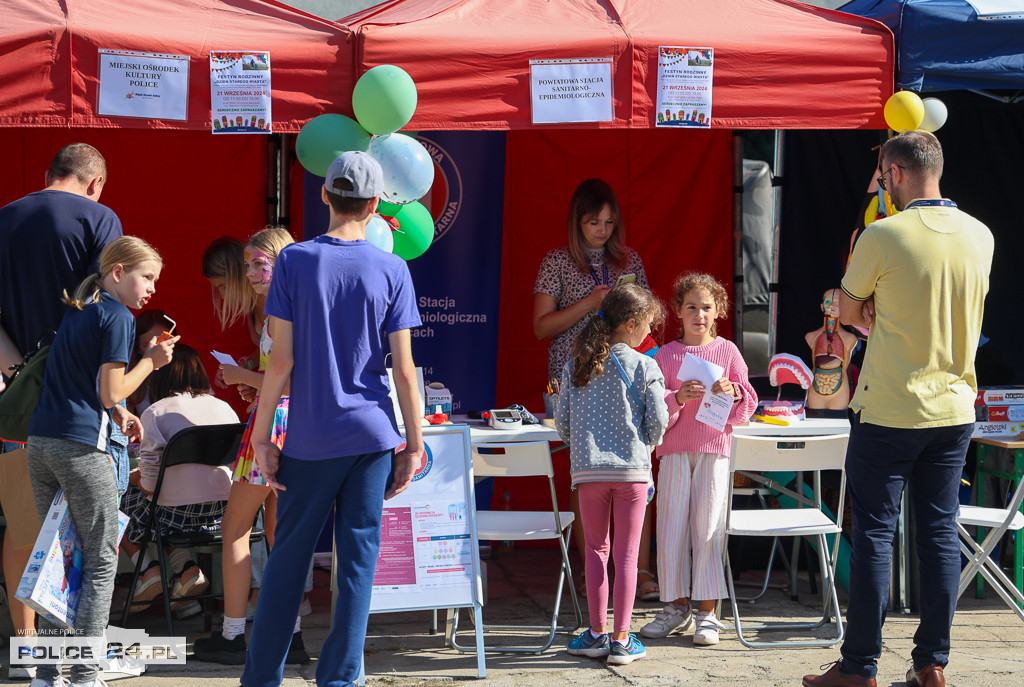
{"type": "Point", "coordinates": [625, 279]}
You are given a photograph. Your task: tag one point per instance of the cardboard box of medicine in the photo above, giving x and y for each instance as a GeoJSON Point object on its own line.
{"type": "Point", "coordinates": [53, 577]}
{"type": "Point", "coordinates": [438, 395]}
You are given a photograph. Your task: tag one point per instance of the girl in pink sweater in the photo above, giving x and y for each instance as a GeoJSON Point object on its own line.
{"type": "Point", "coordinates": [693, 483]}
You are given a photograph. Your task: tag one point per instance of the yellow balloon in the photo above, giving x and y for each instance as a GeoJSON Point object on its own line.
{"type": "Point", "coordinates": [904, 111]}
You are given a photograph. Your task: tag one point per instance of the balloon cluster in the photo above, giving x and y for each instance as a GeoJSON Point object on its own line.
{"type": "Point", "coordinates": [383, 101]}
{"type": "Point", "coordinates": [906, 111]}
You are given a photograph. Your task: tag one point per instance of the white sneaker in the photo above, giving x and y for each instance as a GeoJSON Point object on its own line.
{"type": "Point", "coordinates": [98, 682]}
{"type": "Point", "coordinates": [186, 610]}
{"type": "Point", "coordinates": [708, 626]}
{"type": "Point", "coordinates": [305, 609]}
{"type": "Point", "coordinates": [60, 681]}
{"type": "Point", "coordinates": [121, 667]}
{"type": "Point", "coordinates": [21, 672]}
{"type": "Point", "coordinates": [669, 619]}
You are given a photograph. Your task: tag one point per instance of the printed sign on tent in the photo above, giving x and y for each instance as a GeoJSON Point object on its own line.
{"type": "Point", "coordinates": [143, 84]}
{"type": "Point", "coordinates": [684, 86]}
{"type": "Point", "coordinates": [563, 91]}
{"type": "Point", "coordinates": [240, 92]}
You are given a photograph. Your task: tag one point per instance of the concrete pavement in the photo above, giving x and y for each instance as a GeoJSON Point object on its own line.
{"type": "Point", "coordinates": [988, 644]}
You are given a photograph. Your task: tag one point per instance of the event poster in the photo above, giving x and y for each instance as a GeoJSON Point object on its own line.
{"type": "Point", "coordinates": [684, 86]}
{"type": "Point", "coordinates": [240, 92]}
{"type": "Point", "coordinates": [564, 91]}
{"type": "Point", "coordinates": [143, 84]}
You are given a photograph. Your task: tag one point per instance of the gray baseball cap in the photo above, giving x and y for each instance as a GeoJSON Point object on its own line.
{"type": "Point", "coordinates": [355, 175]}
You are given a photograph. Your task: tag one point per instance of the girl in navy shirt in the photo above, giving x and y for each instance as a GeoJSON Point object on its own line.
{"type": "Point", "coordinates": [86, 374]}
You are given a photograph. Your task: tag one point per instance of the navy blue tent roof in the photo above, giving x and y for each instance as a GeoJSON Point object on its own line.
{"type": "Point", "coordinates": [942, 45]}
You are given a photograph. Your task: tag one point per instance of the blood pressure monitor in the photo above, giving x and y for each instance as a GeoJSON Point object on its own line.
{"type": "Point", "coordinates": [504, 419]}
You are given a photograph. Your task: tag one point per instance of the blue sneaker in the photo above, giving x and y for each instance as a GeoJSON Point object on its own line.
{"type": "Point", "coordinates": [585, 644]}
{"type": "Point", "coordinates": [622, 654]}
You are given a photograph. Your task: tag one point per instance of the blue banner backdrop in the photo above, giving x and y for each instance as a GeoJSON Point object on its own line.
{"type": "Point", "coordinates": [458, 279]}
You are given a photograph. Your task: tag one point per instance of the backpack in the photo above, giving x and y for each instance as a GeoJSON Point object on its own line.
{"type": "Point", "coordinates": [21, 396]}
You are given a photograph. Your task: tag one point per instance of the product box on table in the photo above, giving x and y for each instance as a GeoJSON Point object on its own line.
{"type": "Point", "coordinates": [999, 413]}
{"type": "Point", "coordinates": [1000, 395]}
{"type": "Point", "coordinates": [998, 430]}
{"type": "Point", "coordinates": [53, 577]}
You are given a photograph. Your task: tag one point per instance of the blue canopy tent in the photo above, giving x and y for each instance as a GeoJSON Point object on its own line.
{"type": "Point", "coordinates": [948, 45]}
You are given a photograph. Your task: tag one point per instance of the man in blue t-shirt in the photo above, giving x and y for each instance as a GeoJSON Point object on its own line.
{"type": "Point", "coordinates": [331, 302]}
{"type": "Point", "coordinates": [50, 241]}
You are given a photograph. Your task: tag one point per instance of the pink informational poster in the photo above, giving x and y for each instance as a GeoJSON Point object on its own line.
{"type": "Point", "coordinates": [396, 562]}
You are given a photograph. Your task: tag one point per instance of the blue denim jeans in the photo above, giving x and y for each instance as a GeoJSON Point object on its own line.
{"type": "Point", "coordinates": [880, 462]}
{"type": "Point", "coordinates": [355, 486]}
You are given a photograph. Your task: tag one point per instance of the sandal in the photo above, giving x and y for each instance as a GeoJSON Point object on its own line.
{"type": "Point", "coordinates": [649, 590]}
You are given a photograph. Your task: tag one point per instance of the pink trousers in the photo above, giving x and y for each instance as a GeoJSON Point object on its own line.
{"type": "Point", "coordinates": [602, 503]}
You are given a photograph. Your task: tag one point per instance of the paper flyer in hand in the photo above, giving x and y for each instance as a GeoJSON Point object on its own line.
{"type": "Point", "coordinates": [223, 358]}
{"type": "Point", "coordinates": [714, 408]}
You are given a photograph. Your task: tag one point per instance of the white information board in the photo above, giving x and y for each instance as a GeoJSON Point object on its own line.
{"type": "Point", "coordinates": [429, 555]}
{"type": "Point", "coordinates": [143, 84]}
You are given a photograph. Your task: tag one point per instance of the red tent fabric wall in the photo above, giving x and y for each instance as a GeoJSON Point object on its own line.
{"type": "Point", "coordinates": [675, 189]}
{"type": "Point", "coordinates": [178, 190]}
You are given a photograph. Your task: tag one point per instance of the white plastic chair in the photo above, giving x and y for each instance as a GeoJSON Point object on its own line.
{"type": "Point", "coordinates": [801, 454]}
{"type": "Point", "coordinates": [526, 459]}
{"type": "Point", "coordinates": [979, 556]}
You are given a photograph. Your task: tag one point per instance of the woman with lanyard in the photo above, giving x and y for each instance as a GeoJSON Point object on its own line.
{"type": "Point", "coordinates": [573, 280]}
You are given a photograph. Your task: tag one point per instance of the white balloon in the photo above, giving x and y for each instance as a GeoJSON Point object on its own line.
{"type": "Point", "coordinates": [934, 114]}
{"type": "Point", "coordinates": [378, 232]}
{"type": "Point", "coordinates": [408, 168]}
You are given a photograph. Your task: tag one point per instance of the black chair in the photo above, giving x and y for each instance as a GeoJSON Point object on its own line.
{"type": "Point", "coordinates": [212, 445]}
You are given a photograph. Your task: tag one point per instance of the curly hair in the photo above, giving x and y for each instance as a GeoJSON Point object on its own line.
{"type": "Point", "coordinates": [619, 306]}
{"type": "Point", "coordinates": [685, 283]}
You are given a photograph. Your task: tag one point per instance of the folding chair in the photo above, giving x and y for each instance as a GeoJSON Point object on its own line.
{"type": "Point", "coordinates": [801, 454]}
{"type": "Point", "coordinates": [999, 521]}
{"type": "Point", "coordinates": [212, 445]}
{"type": "Point", "coordinates": [524, 459]}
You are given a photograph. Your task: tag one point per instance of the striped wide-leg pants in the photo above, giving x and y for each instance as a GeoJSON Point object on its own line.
{"type": "Point", "coordinates": [693, 490]}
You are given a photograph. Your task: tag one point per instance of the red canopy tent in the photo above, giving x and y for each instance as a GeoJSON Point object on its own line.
{"type": "Point", "coordinates": [778, 63]}
{"type": "Point", "coordinates": [50, 68]}
{"type": "Point", "coordinates": [171, 182]}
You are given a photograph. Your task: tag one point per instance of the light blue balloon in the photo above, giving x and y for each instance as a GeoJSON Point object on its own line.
{"type": "Point", "coordinates": [408, 168]}
{"type": "Point", "coordinates": [378, 232]}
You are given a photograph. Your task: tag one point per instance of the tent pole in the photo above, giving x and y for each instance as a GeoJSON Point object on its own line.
{"type": "Point", "coordinates": [273, 176]}
{"type": "Point", "coordinates": [773, 281]}
{"type": "Point", "coordinates": [284, 217]}
{"type": "Point", "coordinates": [737, 239]}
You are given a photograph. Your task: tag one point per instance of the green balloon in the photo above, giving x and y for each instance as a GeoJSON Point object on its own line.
{"type": "Point", "coordinates": [415, 228]}
{"type": "Point", "coordinates": [324, 138]}
{"type": "Point", "coordinates": [384, 99]}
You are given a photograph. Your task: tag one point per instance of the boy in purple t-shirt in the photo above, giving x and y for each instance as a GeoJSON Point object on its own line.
{"type": "Point", "coordinates": [332, 300]}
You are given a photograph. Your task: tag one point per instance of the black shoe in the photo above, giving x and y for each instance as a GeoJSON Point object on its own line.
{"type": "Point", "coordinates": [297, 651]}
{"type": "Point", "coordinates": [216, 649]}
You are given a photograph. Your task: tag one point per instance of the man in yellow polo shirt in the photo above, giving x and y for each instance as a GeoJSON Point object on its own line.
{"type": "Point", "coordinates": [918, 279]}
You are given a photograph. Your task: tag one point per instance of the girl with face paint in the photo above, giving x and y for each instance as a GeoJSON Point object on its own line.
{"type": "Point", "coordinates": [248, 489]}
